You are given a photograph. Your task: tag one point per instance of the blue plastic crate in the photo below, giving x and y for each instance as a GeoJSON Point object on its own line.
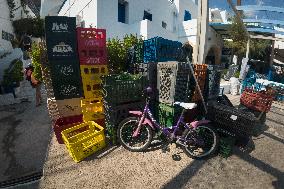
{"type": "Point", "coordinates": [158, 49]}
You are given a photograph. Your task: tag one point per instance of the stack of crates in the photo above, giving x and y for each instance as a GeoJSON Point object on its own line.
{"type": "Point", "coordinates": [63, 59]}
{"type": "Point", "coordinates": [121, 93]}
{"type": "Point", "coordinates": [156, 50]}
{"type": "Point", "coordinates": [173, 85]}
{"type": "Point", "coordinates": [93, 65]}
{"type": "Point", "coordinates": [64, 70]}
{"type": "Point", "coordinates": [81, 136]}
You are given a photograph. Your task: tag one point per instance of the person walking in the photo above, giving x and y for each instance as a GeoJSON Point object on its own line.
{"type": "Point", "coordinates": [34, 83]}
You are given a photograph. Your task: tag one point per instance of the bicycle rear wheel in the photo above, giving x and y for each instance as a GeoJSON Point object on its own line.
{"type": "Point", "coordinates": [135, 144]}
{"type": "Point", "coordinates": [201, 142]}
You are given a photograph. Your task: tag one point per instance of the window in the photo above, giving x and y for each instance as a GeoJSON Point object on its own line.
{"type": "Point", "coordinates": [187, 15]}
{"type": "Point", "coordinates": [122, 11]}
{"type": "Point", "coordinates": [147, 16]}
{"type": "Point", "coordinates": [164, 25]}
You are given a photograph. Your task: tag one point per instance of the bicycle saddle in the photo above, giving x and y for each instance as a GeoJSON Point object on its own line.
{"type": "Point", "coordinates": [187, 106]}
{"type": "Point", "coordinates": [148, 91]}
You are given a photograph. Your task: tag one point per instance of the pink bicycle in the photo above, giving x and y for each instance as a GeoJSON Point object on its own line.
{"type": "Point", "coordinates": [197, 138]}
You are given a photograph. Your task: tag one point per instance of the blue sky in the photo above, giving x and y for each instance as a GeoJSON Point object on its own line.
{"type": "Point", "coordinates": [222, 4]}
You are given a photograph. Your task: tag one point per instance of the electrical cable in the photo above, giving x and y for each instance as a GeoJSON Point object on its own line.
{"type": "Point", "coordinates": [70, 7]}
{"type": "Point", "coordinates": [84, 7]}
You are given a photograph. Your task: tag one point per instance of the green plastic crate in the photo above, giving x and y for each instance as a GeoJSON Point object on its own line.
{"type": "Point", "coordinates": [122, 89]}
{"type": "Point", "coordinates": [168, 115]}
{"type": "Point", "coordinates": [226, 146]}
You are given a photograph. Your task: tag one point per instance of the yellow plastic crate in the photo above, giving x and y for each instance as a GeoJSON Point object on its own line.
{"type": "Point", "coordinates": [91, 80]}
{"type": "Point", "coordinates": [92, 89]}
{"type": "Point", "coordinates": [84, 139]}
{"type": "Point", "coordinates": [93, 72]}
{"type": "Point", "coordinates": [92, 109]}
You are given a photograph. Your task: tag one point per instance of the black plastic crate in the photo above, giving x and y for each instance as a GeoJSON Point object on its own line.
{"type": "Point", "coordinates": [148, 70]}
{"type": "Point", "coordinates": [224, 100]}
{"type": "Point", "coordinates": [260, 116]}
{"type": "Point", "coordinates": [233, 120]}
{"type": "Point", "coordinates": [213, 79]}
{"type": "Point", "coordinates": [60, 49]}
{"type": "Point", "coordinates": [115, 114]}
{"type": "Point", "coordinates": [65, 70]}
{"type": "Point", "coordinates": [64, 89]}
{"type": "Point", "coordinates": [183, 87]}
{"type": "Point", "coordinates": [61, 38]}
{"type": "Point", "coordinates": [59, 26]}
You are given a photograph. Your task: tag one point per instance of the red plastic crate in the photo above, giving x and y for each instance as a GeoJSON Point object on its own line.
{"type": "Point", "coordinates": [65, 123]}
{"type": "Point", "coordinates": [259, 101]}
{"type": "Point", "coordinates": [91, 37]}
{"type": "Point", "coordinates": [93, 56]}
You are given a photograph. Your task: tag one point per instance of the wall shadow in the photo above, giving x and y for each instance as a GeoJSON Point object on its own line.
{"type": "Point", "coordinates": [274, 137]}
{"type": "Point", "coordinates": [279, 184]}
{"type": "Point", "coordinates": [185, 175]}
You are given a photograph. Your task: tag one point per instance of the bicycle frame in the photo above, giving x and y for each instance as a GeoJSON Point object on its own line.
{"type": "Point", "coordinates": [155, 125]}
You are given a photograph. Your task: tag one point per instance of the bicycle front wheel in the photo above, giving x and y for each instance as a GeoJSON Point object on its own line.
{"type": "Point", "coordinates": [135, 144]}
{"type": "Point", "coordinates": [201, 142]}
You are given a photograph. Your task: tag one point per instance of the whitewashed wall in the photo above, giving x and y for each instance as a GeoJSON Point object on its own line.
{"type": "Point", "coordinates": [161, 10]}
{"type": "Point", "coordinates": [19, 12]}
{"type": "Point", "coordinates": [189, 6]}
{"type": "Point", "coordinates": [188, 31]}
{"type": "Point", "coordinates": [215, 42]}
{"type": "Point", "coordinates": [50, 7]}
{"type": "Point", "coordinates": [5, 25]}
{"type": "Point", "coordinates": [104, 14]}
{"type": "Point", "coordinates": [89, 14]}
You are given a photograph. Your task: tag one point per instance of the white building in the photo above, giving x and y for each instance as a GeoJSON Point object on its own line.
{"type": "Point", "coordinates": [7, 53]}
{"type": "Point", "coordinates": [6, 27]}
{"type": "Point", "coordinates": [170, 19]}
{"type": "Point", "coordinates": [147, 18]}
{"type": "Point", "coordinates": [218, 15]}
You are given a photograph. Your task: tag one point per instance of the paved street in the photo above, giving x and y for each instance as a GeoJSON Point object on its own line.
{"type": "Point", "coordinates": [117, 168]}
{"type": "Point", "coordinates": [24, 137]}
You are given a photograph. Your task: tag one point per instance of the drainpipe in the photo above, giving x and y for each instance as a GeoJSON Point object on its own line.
{"type": "Point", "coordinates": [248, 43]}
{"type": "Point", "coordinates": [202, 28]}
{"type": "Point", "coordinates": [272, 52]}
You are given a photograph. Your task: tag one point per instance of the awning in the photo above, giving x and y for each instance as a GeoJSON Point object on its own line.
{"type": "Point", "coordinates": [221, 29]}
